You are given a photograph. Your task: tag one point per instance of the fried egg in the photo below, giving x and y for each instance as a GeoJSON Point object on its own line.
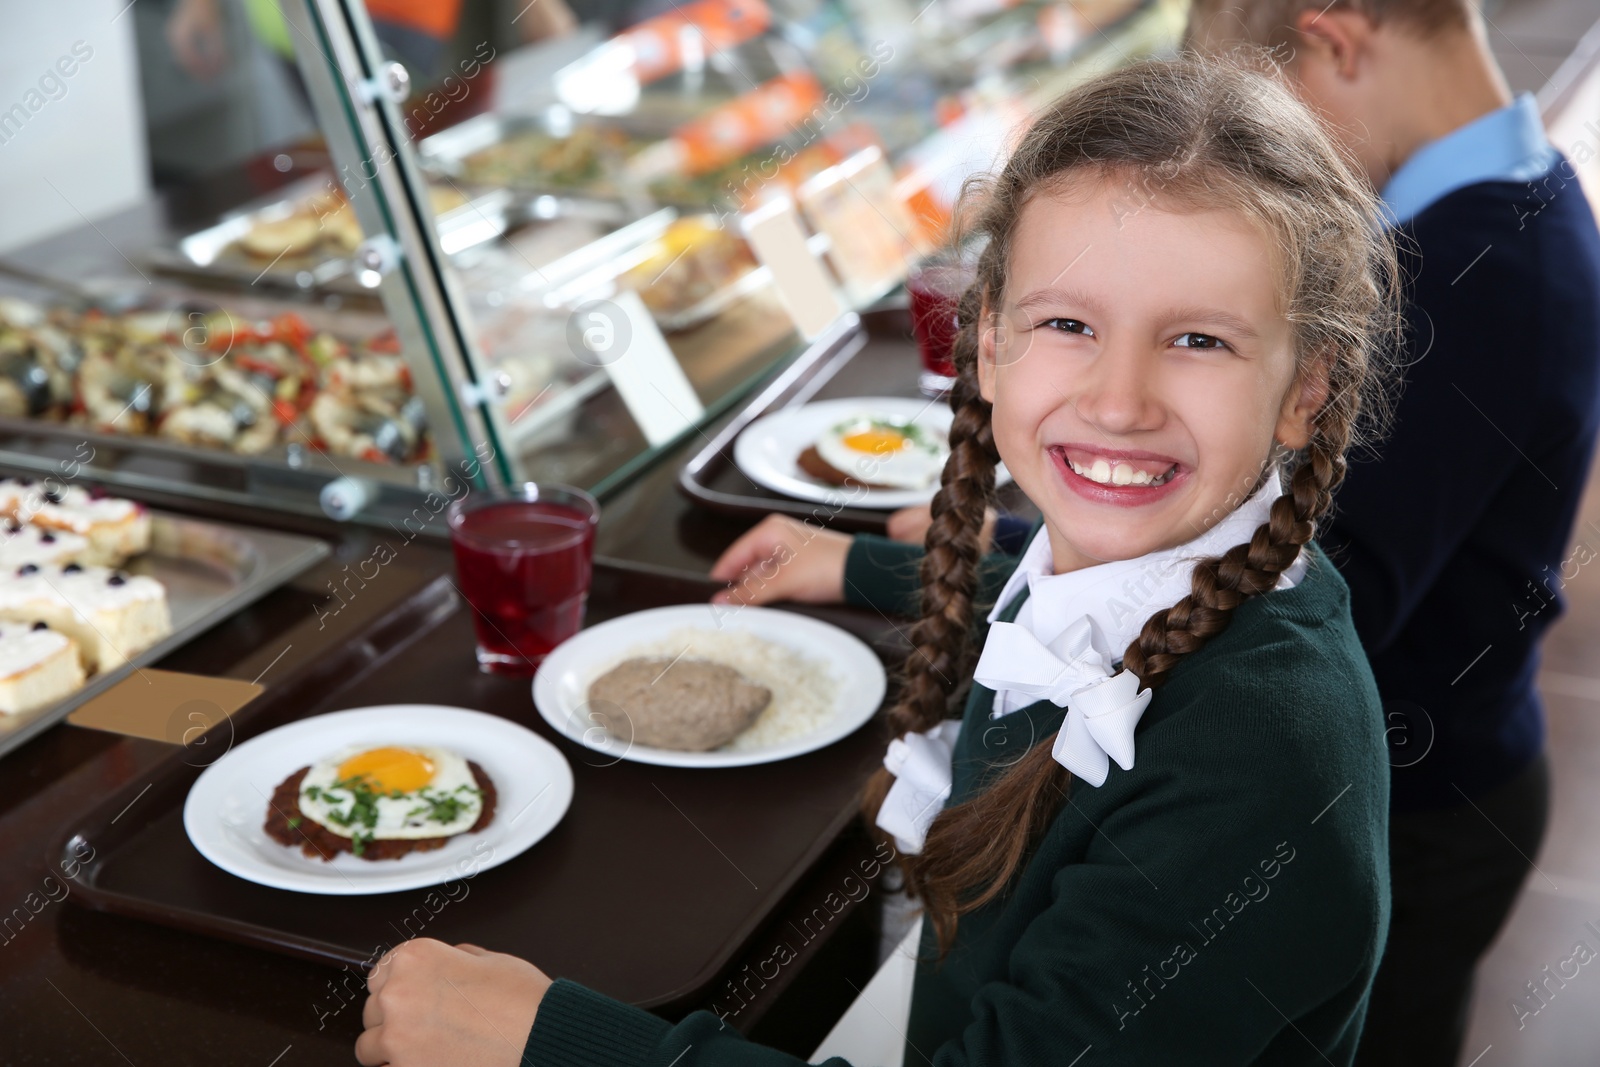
{"type": "Point", "coordinates": [392, 793]}
{"type": "Point", "coordinates": [899, 455]}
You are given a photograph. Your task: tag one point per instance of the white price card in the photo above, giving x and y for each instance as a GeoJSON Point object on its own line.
{"type": "Point", "coordinates": [621, 336]}
{"type": "Point", "coordinates": [803, 283]}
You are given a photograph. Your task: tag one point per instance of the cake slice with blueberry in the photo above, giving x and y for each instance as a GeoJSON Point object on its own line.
{"type": "Point", "coordinates": [38, 666]}
{"type": "Point", "coordinates": [111, 615]}
{"type": "Point", "coordinates": [35, 544]}
{"type": "Point", "coordinates": [116, 528]}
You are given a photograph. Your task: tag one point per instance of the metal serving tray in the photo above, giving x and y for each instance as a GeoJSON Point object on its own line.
{"type": "Point", "coordinates": [213, 252]}
{"type": "Point", "coordinates": [445, 153]}
{"type": "Point", "coordinates": [210, 570]}
{"type": "Point", "coordinates": [444, 156]}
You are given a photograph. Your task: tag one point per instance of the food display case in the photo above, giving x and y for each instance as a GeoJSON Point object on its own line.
{"type": "Point", "coordinates": [415, 309]}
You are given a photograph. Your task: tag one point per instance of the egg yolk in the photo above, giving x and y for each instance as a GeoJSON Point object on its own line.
{"type": "Point", "coordinates": [389, 770]}
{"type": "Point", "coordinates": [876, 441]}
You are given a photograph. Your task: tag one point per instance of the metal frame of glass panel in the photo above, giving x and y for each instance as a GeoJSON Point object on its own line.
{"type": "Point", "coordinates": [354, 92]}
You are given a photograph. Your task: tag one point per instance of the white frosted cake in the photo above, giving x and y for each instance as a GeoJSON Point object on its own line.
{"type": "Point", "coordinates": [115, 528]}
{"type": "Point", "coordinates": [35, 544]}
{"type": "Point", "coordinates": [109, 614]}
{"type": "Point", "coordinates": [38, 666]}
{"type": "Point", "coordinates": [20, 497]}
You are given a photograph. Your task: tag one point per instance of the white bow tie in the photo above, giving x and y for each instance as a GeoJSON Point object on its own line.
{"type": "Point", "coordinates": [1103, 708]}
{"type": "Point", "coordinates": [920, 763]}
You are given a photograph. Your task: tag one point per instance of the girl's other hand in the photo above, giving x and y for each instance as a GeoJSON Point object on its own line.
{"type": "Point", "coordinates": [781, 558]}
{"type": "Point", "coordinates": [431, 1005]}
{"type": "Point", "coordinates": [911, 525]}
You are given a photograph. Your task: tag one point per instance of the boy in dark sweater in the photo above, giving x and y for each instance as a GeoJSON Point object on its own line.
{"type": "Point", "coordinates": [1453, 540]}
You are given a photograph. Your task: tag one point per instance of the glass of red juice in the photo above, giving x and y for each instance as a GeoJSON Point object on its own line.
{"type": "Point", "coordinates": [524, 556]}
{"type": "Point", "coordinates": [935, 291]}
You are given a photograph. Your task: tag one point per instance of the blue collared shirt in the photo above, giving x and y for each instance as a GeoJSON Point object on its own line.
{"type": "Point", "coordinates": [1508, 144]}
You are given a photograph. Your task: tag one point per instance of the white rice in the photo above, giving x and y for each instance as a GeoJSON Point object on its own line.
{"type": "Point", "coordinates": [802, 688]}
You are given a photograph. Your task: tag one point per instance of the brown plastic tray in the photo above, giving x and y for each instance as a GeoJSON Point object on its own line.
{"type": "Point", "coordinates": [648, 890]}
{"type": "Point", "coordinates": [875, 358]}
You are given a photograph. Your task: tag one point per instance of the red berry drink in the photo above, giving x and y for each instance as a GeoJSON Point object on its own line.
{"type": "Point", "coordinates": [935, 298]}
{"type": "Point", "coordinates": [524, 558]}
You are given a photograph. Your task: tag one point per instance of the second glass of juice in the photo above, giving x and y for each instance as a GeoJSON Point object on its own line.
{"type": "Point", "coordinates": [935, 291]}
{"type": "Point", "coordinates": [524, 556]}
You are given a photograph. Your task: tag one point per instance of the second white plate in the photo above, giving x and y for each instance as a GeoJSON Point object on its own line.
{"type": "Point", "coordinates": [769, 448]}
{"type": "Point", "coordinates": [561, 687]}
{"type": "Point", "coordinates": [768, 451]}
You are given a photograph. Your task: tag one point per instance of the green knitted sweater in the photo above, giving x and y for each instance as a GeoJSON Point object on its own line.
{"type": "Point", "coordinates": [1224, 902]}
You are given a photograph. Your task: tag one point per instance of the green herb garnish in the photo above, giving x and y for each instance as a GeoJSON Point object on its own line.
{"type": "Point", "coordinates": [361, 818]}
{"type": "Point", "coordinates": [444, 807]}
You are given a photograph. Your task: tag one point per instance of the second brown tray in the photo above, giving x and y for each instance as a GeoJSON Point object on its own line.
{"type": "Point", "coordinates": [872, 354]}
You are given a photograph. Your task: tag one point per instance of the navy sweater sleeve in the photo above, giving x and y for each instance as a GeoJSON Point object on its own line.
{"type": "Point", "coordinates": [886, 575]}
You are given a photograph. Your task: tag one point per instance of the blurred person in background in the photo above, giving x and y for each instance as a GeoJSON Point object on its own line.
{"type": "Point", "coordinates": [220, 86]}
{"type": "Point", "coordinates": [1454, 540]}
{"type": "Point", "coordinates": [416, 32]}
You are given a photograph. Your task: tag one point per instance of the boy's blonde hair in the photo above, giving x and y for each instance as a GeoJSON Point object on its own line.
{"type": "Point", "coordinates": [1184, 134]}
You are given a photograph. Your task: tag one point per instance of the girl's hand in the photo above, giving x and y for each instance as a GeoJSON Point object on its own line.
{"type": "Point", "coordinates": [431, 1005]}
{"type": "Point", "coordinates": [781, 558]}
{"type": "Point", "coordinates": [911, 525]}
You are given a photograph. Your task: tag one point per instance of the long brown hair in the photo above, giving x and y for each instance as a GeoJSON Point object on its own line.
{"type": "Point", "coordinates": [1188, 133]}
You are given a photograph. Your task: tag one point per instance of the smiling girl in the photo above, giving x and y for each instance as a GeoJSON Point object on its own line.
{"type": "Point", "coordinates": [1155, 833]}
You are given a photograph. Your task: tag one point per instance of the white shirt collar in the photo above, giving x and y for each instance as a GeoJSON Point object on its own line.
{"type": "Point", "coordinates": [1120, 595]}
{"type": "Point", "coordinates": [1507, 144]}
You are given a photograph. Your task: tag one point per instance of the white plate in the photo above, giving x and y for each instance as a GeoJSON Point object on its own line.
{"type": "Point", "coordinates": [228, 803]}
{"type": "Point", "coordinates": [768, 451]}
{"type": "Point", "coordinates": [561, 687]}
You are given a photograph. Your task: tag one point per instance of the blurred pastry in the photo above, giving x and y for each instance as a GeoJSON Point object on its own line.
{"type": "Point", "coordinates": [38, 666]}
{"type": "Point", "coordinates": [292, 235]}
{"type": "Point", "coordinates": [111, 615]}
{"type": "Point", "coordinates": [115, 528]}
{"type": "Point", "coordinates": [35, 544]}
